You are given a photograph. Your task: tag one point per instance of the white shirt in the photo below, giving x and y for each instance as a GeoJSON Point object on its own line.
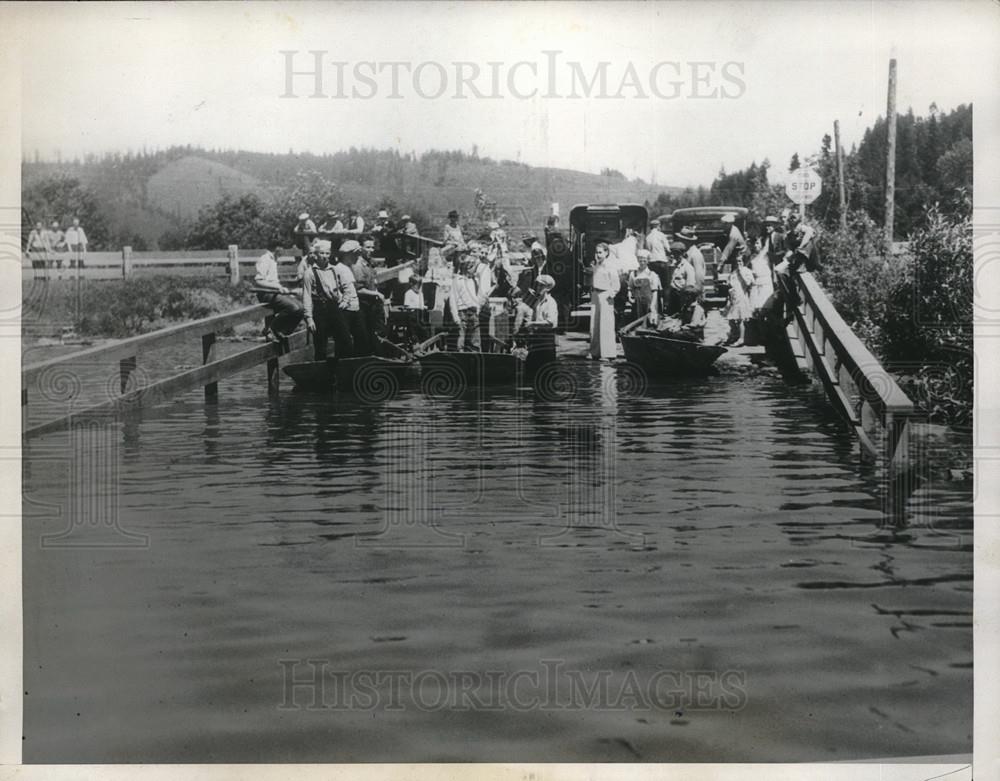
{"type": "Point", "coordinates": [463, 294]}
{"type": "Point", "coordinates": [546, 311]}
{"type": "Point", "coordinates": [414, 299]}
{"type": "Point", "coordinates": [348, 292]}
{"type": "Point", "coordinates": [267, 271]}
{"type": "Point", "coordinates": [484, 282]}
{"type": "Point", "coordinates": [658, 245]}
{"type": "Point", "coordinates": [684, 275]}
{"type": "Point", "coordinates": [320, 283]}
{"type": "Point", "coordinates": [648, 273]}
{"type": "Point", "coordinates": [76, 236]}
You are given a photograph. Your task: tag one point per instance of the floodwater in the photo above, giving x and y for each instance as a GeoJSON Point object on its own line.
{"type": "Point", "coordinates": [596, 570]}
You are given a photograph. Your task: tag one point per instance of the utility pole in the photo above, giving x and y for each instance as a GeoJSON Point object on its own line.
{"type": "Point", "coordinates": [840, 173]}
{"type": "Point", "coordinates": [890, 168]}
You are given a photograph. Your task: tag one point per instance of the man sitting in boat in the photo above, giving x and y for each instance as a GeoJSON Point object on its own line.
{"type": "Point", "coordinates": [546, 311]}
{"type": "Point", "coordinates": [286, 307]}
{"type": "Point", "coordinates": [414, 305]}
{"type": "Point", "coordinates": [683, 276]}
{"type": "Point", "coordinates": [464, 303]}
{"type": "Point", "coordinates": [525, 296]}
{"type": "Point", "coordinates": [689, 324]}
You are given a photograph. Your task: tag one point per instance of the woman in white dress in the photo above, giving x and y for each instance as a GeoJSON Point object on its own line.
{"type": "Point", "coordinates": [763, 286]}
{"type": "Point", "coordinates": [738, 310]}
{"type": "Point", "coordinates": [603, 288]}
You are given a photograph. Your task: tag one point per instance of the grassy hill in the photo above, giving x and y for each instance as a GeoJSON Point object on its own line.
{"type": "Point", "coordinates": [147, 194]}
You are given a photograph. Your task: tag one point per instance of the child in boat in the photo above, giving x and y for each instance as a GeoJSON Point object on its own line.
{"type": "Point", "coordinates": [414, 303]}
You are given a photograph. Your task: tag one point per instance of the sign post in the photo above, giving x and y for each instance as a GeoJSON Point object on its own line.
{"type": "Point", "coordinates": [803, 186]}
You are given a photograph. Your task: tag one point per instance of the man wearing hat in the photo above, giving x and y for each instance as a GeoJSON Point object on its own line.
{"type": "Point", "coordinates": [682, 276]}
{"type": "Point", "coordinates": [546, 311]}
{"type": "Point", "coordinates": [350, 304]}
{"type": "Point", "coordinates": [736, 247]}
{"type": "Point", "coordinates": [304, 230]}
{"type": "Point", "coordinates": [527, 291]}
{"type": "Point", "coordinates": [332, 223]}
{"type": "Point", "coordinates": [774, 242]}
{"type": "Point", "coordinates": [321, 305]}
{"type": "Point", "coordinates": [452, 238]}
{"type": "Point", "coordinates": [464, 303]}
{"type": "Point", "coordinates": [657, 243]}
{"type": "Point", "coordinates": [694, 256]}
{"type": "Point", "coordinates": [355, 223]}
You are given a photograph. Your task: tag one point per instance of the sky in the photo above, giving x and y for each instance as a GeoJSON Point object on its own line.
{"type": "Point", "coordinates": [691, 87]}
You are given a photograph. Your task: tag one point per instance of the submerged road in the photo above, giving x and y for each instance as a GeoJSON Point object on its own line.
{"type": "Point", "coordinates": [606, 571]}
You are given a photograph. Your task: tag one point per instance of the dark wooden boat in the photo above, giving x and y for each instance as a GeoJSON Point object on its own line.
{"type": "Point", "coordinates": [450, 373]}
{"type": "Point", "coordinates": [660, 355]}
{"type": "Point", "coordinates": [372, 377]}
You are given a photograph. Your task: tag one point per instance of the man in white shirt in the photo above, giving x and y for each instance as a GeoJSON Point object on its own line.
{"type": "Point", "coordinates": [332, 223]}
{"type": "Point", "coordinates": [644, 285]}
{"type": "Point", "coordinates": [286, 307]}
{"type": "Point", "coordinates": [38, 246]}
{"type": "Point", "coordinates": [464, 302]}
{"type": "Point", "coordinates": [484, 282]}
{"type": "Point", "coordinates": [350, 304]}
{"type": "Point", "coordinates": [683, 276]}
{"type": "Point", "coordinates": [697, 260]}
{"type": "Point", "coordinates": [546, 310]}
{"type": "Point", "coordinates": [56, 242]}
{"type": "Point", "coordinates": [321, 305]}
{"type": "Point", "coordinates": [657, 243]}
{"type": "Point", "coordinates": [413, 300]}
{"type": "Point", "coordinates": [76, 242]}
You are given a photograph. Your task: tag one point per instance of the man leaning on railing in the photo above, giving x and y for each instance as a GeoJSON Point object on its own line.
{"type": "Point", "coordinates": [288, 311]}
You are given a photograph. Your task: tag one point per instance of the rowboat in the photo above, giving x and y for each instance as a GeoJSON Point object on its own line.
{"type": "Point", "coordinates": [374, 377]}
{"type": "Point", "coordinates": [449, 373]}
{"type": "Point", "coordinates": [661, 354]}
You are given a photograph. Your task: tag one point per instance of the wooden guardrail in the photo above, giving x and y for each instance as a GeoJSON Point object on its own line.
{"type": "Point", "coordinates": [847, 368]}
{"type": "Point", "coordinates": [128, 352]}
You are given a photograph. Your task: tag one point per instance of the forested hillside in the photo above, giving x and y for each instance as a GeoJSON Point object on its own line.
{"type": "Point", "coordinates": [149, 199]}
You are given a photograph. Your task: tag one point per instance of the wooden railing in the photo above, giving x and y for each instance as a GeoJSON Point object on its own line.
{"type": "Point", "coordinates": [854, 380]}
{"type": "Point", "coordinates": [127, 353]}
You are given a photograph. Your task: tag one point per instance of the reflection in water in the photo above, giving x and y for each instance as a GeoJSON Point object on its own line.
{"type": "Point", "coordinates": [720, 526]}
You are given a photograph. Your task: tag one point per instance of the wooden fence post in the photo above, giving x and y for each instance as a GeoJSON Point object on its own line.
{"type": "Point", "coordinates": [207, 356]}
{"type": "Point", "coordinates": [234, 264]}
{"type": "Point", "coordinates": [126, 262]}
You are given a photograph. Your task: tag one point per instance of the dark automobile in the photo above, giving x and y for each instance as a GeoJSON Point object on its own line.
{"type": "Point", "coordinates": [713, 235]}
{"type": "Point", "coordinates": [594, 223]}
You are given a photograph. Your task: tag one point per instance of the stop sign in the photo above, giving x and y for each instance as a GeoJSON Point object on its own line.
{"type": "Point", "coordinates": [803, 185]}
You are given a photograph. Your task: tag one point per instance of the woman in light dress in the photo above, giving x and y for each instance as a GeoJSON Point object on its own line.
{"type": "Point", "coordinates": [763, 286]}
{"type": "Point", "coordinates": [604, 286]}
{"type": "Point", "coordinates": [738, 310]}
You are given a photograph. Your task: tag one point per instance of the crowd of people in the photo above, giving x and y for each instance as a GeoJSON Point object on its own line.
{"type": "Point", "coordinates": [340, 298]}
{"type": "Point", "coordinates": [49, 247]}
{"type": "Point", "coordinates": [459, 290]}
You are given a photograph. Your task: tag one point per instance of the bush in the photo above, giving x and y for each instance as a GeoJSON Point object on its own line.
{"type": "Point", "coordinates": [857, 273]}
{"type": "Point", "coordinates": [122, 308]}
{"type": "Point", "coordinates": [929, 320]}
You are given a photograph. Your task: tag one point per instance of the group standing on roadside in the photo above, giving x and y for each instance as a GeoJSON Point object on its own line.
{"type": "Point", "coordinates": [48, 247]}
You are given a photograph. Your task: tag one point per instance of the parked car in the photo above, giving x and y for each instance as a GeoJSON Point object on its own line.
{"type": "Point", "coordinates": [713, 234]}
